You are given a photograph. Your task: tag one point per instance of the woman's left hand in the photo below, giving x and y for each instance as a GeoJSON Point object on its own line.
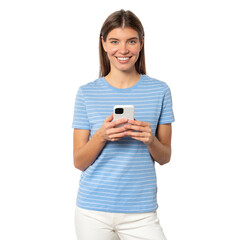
{"type": "Point", "coordinates": [144, 133]}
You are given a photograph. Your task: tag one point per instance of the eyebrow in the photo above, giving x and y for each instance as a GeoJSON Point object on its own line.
{"type": "Point", "coordinates": [118, 39]}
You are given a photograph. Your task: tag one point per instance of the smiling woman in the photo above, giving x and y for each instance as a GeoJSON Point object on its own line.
{"type": "Point", "coordinates": [122, 47]}
{"type": "Point", "coordinates": [117, 195]}
{"type": "Point", "coordinates": [120, 21]}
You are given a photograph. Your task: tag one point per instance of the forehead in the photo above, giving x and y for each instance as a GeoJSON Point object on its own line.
{"type": "Point", "coordinates": [122, 33]}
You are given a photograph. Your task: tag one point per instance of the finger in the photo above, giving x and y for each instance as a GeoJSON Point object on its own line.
{"type": "Point", "coordinates": [139, 123]}
{"type": "Point", "coordinates": [109, 118]}
{"type": "Point", "coordinates": [117, 122]}
{"type": "Point", "coordinates": [121, 131]}
{"type": "Point", "coordinates": [116, 130]}
{"type": "Point", "coordinates": [139, 139]}
{"type": "Point", "coordinates": [137, 128]}
{"type": "Point", "coordinates": [118, 135]}
{"type": "Point", "coordinates": [138, 134]}
{"type": "Point", "coordinates": [134, 127]}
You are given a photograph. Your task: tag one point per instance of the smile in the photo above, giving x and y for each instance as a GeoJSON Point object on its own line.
{"type": "Point", "coordinates": [123, 58]}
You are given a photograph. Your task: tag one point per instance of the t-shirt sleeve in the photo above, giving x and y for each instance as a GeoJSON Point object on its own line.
{"type": "Point", "coordinates": [80, 117]}
{"type": "Point", "coordinates": [166, 115]}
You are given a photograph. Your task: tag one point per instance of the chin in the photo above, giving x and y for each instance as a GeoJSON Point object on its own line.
{"type": "Point", "coordinates": [125, 69]}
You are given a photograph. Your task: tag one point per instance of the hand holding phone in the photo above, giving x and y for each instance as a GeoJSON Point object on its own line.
{"type": "Point", "coordinates": [110, 130]}
{"type": "Point", "coordinates": [123, 111]}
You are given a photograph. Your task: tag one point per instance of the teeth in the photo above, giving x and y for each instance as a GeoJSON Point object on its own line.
{"type": "Point", "coordinates": [123, 58]}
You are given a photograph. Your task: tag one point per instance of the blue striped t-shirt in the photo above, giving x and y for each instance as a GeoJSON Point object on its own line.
{"type": "Point", "coordinates": [122, 178]}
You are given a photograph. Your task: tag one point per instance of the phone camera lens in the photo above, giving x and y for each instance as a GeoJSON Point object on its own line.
{"type": "Point", "coordinates": [119, 110]}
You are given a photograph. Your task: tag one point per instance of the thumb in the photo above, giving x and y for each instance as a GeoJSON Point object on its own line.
{"type": "Point", "coordinates": [109, 118]}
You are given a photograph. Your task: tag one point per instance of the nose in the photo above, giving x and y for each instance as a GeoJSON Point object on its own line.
{"type": "Point", "coordinates": [123, 49]}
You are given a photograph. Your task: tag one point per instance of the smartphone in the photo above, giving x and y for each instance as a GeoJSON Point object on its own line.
{"type": "Point", "coordinates": [123, 111]}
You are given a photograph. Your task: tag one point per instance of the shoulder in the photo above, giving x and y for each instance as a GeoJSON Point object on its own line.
{"type": "Point", "coordinates": [154, 82]}
{"type": "Point", "coordinates": [93, 85]}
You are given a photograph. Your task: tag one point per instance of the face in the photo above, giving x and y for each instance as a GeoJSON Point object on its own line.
{"type": "Point", "coordinates": [122, 47]}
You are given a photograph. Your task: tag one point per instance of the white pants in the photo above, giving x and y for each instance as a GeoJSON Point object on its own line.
{"type": "Point", "coordinates": [99, 225]}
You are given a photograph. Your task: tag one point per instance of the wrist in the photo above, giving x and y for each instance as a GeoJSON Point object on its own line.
{"type": "Point", "coordinates": [98, 134]}
{"type": "Point", "coordinates": [151, 140]}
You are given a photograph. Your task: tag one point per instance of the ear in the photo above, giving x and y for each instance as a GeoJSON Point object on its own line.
{"type": "Point", "coordinates": [142, 43]}
{"type": "Point", "coordinates": [103, 43]}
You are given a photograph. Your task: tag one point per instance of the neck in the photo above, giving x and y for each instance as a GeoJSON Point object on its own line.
{"type": "Point", "coordinates": [122, 79]}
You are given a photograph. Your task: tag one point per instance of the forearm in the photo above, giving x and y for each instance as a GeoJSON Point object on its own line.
{"type": "Point", "coordinates": [160, 153]}
{"type": "Point", "coordinates": [87, 154]}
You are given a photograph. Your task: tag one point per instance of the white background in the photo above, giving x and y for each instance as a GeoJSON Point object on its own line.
{"type": "Point", "coordinates": [49, 48]}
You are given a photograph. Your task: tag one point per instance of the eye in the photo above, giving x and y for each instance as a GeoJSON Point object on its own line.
{"type": "Point", "coordinates": [114, 42]}
{"type": "Point", "coordinates": [132, 41]}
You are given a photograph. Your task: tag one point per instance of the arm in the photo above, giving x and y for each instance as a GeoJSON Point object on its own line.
{"type": "Point", "coordinates": [86, 151]}
{"type": "Point", "coordinates": [160, 146]}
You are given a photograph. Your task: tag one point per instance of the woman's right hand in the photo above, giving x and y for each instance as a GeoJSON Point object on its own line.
{"type": "Point", "coordinates": [108, 130]}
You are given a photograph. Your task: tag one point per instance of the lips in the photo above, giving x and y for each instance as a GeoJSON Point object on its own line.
{"type": "Point", "coordinates": [123, 60]}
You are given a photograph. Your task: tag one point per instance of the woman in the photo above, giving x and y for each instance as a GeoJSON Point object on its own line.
{"type": "Point", "coordinates": [117, 196]}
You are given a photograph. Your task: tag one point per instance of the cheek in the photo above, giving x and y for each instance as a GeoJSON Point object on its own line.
{"type": "Point", "coordinates": [135, 50]}
{"type": "Point", "coordinates": [111, 51]}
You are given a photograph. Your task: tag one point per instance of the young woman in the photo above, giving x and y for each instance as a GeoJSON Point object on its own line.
{"type": "Point", "coordinates": [117, 196]}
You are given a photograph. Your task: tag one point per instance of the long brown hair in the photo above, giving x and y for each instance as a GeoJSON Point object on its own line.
{"type": "Point", "coordinates": [122, 19]}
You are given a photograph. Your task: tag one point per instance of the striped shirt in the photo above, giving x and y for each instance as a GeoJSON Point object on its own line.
{"type": "Point", "coordinates": [122, 178]}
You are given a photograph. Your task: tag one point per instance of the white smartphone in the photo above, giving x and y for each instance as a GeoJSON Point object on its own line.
{"type": "Point", "coordinates": [123, 111]}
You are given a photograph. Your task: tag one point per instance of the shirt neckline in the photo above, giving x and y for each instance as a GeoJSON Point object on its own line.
{"type": "Point", "coordinates": [123, 89]}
